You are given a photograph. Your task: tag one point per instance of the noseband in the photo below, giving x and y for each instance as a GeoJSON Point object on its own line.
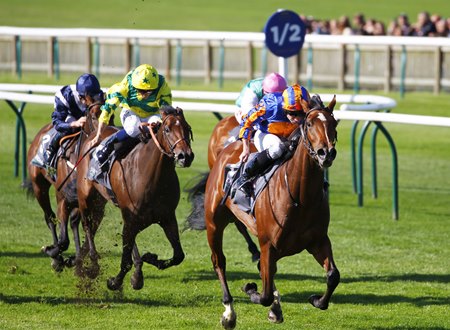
{"type": "Point", "coordinates": [165, 135]}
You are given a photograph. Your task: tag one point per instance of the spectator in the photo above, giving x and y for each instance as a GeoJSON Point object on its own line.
{"type": "Point", "coordinates": [424, 26]}
{"type": "Point", "coordinates": [358, 24]}
{"type": "Point", "coordinates": [379, 29]}
{"type": "Point", "coordinates": [442, 29]}
{"type": "Point", "coordinates": [343, 26]}
{"type": "Point", "coordinates": [404, 25]}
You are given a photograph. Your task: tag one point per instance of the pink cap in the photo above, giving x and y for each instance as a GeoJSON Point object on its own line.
{"type": "Point", "coordinates": [274, 82]}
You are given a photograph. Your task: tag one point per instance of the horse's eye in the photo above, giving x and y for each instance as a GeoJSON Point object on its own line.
{"type": "Point", "coordinates": [309, 124]}
{"type": "Point", "coordinates": [166, 129]}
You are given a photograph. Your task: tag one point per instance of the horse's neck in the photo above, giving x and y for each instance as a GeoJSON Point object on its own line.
{"type": "Point", "coordinates": [304, 175]}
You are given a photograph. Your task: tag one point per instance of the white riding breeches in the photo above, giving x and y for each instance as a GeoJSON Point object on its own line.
{"type": "Point", "coordinates": [270, 142]}
{"type": "Point", "coordinates": [131, 121]}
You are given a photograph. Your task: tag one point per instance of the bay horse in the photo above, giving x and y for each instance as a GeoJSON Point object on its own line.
{"type": "Point", "coordinates": [222, 136]}
{"type": "Point", "coordinates": [298, 220]}
{"type": "Point", "coordinates": [146, 189]}
{"type": "Point", "coordinates": [39, 183]}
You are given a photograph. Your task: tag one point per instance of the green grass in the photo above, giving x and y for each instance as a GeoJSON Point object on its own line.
{"type": "Point", "coordinates": [197, 14]}
{"type": "Point", "coordinates": [395, 275]}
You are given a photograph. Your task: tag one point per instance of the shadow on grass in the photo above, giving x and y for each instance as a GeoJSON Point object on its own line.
{"type": "Point", "coordinates": [423, 278]}
{"type": "Point", "coordinates": [22, 254]}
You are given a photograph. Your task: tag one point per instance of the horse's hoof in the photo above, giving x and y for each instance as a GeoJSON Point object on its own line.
{"type": "Point", "coordinates": [276, 315]}
{"type": "Point", "coordinates": [256, 257]}
{"type": "Point", "coordinates": [316, 301]}
{"type": "Point", "coordinates": [228, 324]}
{"type": "Point", "coordinates": [58, 264]}
{"type": "Point", "coordinates": [113, 284]}
{"type": "Point", "coordinates": [70, 262]}
{"type": "Point", "coordinates": [250, 288]}
{"type": "Point", "coordinates": [137, 280]}
{"type": "Point", "coordinates": [51, 250]}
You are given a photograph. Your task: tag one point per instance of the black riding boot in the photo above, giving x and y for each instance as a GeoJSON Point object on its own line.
{"type": "Point", "coordinates": [52, 148]}
{"type": "Point", "coordinates": [104, 153]}
{"type": "Point", "coordinates": [256, 166]}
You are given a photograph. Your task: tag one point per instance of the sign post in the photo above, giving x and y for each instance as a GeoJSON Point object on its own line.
{"type": "Point", "coordinates": [285, 35]}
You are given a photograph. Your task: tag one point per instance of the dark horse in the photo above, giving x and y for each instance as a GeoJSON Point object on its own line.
{"type": "Point", "coordinates": [298, 220]}
{"type": "Point", "coordinates": [146, 189]}
{"type": "Point", "coordinates": [39, 184]}
{"type": "Point", "coordinates": [221, 136]}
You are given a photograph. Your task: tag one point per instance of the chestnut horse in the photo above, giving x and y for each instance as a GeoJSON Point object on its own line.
{"type": "Point", "coordinates": [297, 221]}
{"type": "Point", "coordinates": [146, 189]}
{"type": "Point", "coordinates": [221, 136]}
{"type": "Point", "coordinates": [39, 184]}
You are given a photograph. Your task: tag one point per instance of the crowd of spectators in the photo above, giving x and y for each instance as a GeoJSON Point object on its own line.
{"type": "Point", "coordinates": [426, 26]}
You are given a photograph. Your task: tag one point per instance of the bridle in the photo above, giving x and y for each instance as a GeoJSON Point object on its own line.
{"type": "Point", "coordinates": [304, 133]}
{"type": "Point", "coordinates": [166, 138]}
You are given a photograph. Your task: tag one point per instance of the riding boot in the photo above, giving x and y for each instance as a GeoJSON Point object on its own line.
{"type": "Point", "coordinates": [52, 148]}
{"type": "Point", "coordinates": [104, 153]}
{"type": "Point", "coordinates": [257, 165]}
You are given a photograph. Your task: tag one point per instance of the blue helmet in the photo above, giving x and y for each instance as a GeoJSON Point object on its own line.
{"type": "Point", "coordinates": [87, 84]}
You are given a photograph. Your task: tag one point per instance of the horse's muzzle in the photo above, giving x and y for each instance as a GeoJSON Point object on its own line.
{"type": "Point", "coordinates": [184, 159]}
{"type": "Point", "coordinates": [326, 156]}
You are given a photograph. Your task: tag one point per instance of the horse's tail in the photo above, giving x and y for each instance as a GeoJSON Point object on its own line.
{"type": "Point", "coordinates": [196, 196]}
{"type": "Point", "coordinates": [28, 187]}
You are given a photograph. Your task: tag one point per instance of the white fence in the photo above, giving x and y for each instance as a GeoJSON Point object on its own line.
{"type": "Point", "coordinates": [340, 62]}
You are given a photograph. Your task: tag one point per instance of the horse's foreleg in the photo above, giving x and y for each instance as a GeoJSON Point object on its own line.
{"type": "Point", "coordinates": [215, 241]}
{"type": "Point", "coordinates": [129, 233]}
{"type": "Point", "coordinates": [268, 268]}
{"type": "Point", "coordinates": [252, 248]}
{"type": "Point", "coordinates": [323, 254]}
{"type": "Point", "coordinates": [170, 228]}
{"type": "Point", "coordinates": [137, 279]}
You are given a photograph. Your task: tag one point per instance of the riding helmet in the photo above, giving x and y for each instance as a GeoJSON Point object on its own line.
{"type": "Point", "coordinates": [87, 84]}
{"type": "Point", "coordinates": [274, 82]}
{"type": "Point", "coordinates": [292, 96]}
{"type": "Point", "coordinates": [145, 77]}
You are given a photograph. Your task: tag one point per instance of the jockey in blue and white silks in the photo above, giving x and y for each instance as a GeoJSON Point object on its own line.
{"type": "Point", "coordinates": [70, 109]}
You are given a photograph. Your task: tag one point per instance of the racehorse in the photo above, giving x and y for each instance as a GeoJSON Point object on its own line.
{"type": "Point", "coordinates": [145, 187]}
{"type": "Point", "coordinates": [39, 184]}
{"type": "Point", "coordinates": [222, 135]}
{"type": "Point", "coordinates": [298, 220]}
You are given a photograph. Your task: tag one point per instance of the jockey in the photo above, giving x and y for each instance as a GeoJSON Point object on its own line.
{"type": "Point", "coordinates": [254, 91]}
{"type": "Point", "coordinates": [70, 106]}
{"type": "Point", "coordinates": [275, 117]}
{"type": "Point", "coordinates": [140, 95]}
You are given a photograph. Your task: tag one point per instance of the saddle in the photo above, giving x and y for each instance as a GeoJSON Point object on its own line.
{"type": "Point", "coordinates": [38, 159]}
{"type": "Point", "coordinates": [234, 171]}
{"type": "Point", "coordinates": [100, 172]}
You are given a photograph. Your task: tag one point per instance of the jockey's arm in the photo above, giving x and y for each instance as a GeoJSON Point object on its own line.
{"type": "Point", "coordinates": [245, 150]}
{"type": "Point", "coordinates": [96, 139]}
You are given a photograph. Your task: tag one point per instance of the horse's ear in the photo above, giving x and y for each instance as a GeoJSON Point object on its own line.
{"type": "Point", "coordinates": [332, 104]}
{"type": "Point", "coordinates": [305, 105]}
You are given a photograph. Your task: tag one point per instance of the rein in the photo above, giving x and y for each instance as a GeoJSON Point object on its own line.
{"type": "Point", "coordinates": [170, 154]}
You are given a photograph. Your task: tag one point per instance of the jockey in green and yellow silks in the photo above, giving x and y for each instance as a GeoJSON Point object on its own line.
{"type": "Point", "coordinates": [139, 96]}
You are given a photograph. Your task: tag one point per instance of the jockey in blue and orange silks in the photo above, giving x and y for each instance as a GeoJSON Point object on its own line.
{"type": "Point", "coordinates": [275, 117]}
{"type": "Point", "coordinates": [139, 96]}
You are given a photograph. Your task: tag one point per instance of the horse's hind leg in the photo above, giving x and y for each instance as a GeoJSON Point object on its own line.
{"type": "Point", "coordinates": [322, 252]}
{"type": "Point", "coordinates": [252, 248]}
{"type": "Point", "coordinates": [170, 227]}
{"type": "Point", "coordinates": [74, 219]}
